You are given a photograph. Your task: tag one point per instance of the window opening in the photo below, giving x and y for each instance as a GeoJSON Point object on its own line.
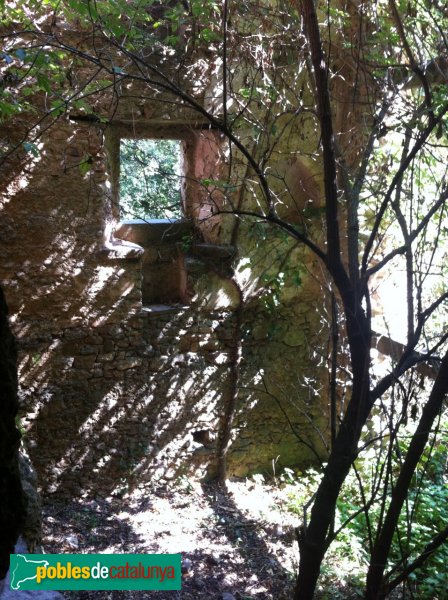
{"type": "Point", "coordinates": [150, 179]}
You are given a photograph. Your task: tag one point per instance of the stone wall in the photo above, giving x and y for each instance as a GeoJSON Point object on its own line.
{"type": "Point", "coordinates": [128, 338]}
{"type": "Point", "coordinates": [135, 393]}
{"type": "Point", "coordinates": [125, 410]}
{"type": "Point", "coordinates": [117, 372]}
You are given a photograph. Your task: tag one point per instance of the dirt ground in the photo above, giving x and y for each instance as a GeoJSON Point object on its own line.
{"type": "Point", "coordinates": [237, 545]}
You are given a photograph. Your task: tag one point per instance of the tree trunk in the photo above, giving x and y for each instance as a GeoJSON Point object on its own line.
{"type": "Point", "coordinates": [12, 507]}
{"type": "Point", "coordinates": [419, 440]}
{"type": "Point", "coordinates": [315, 541]}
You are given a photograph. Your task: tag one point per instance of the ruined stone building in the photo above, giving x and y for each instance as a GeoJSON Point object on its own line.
{"type": "Point", "coordinates": [138, 338]}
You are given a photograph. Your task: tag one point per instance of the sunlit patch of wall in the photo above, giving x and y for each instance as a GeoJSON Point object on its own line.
{"type": "Point", "coordinates": [140, 426]}
{"type": "Point", "coordinates": [282, 418]}
{"type": "Point", "coordinates": [115, 391]}
{"type": "Point", "coordinates": [111, 390]}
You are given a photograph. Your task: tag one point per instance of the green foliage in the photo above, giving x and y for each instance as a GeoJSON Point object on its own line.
{"type": "Point", "coordinates": [20, 426]}
{"type": "Point", "coordinates": [85, 164]}
{"type": "Point", "coordinates": [424, 515]}
{"type": "Point", "coordinates": [150, 179]}
{"type": "Point", "coordinates": [32, 148]}
{"type": "Point", "coordinates": [186, 242]}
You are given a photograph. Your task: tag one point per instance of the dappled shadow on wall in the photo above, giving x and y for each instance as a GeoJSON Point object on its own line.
{"type": "Point", "coordinates": [281, 419]}
{"type": "Point", "coordinates": [111, 394]}
{"type": "Point", "coordinates": [103, 396]}
{"type": "Point", "coordinates": [133, 423]}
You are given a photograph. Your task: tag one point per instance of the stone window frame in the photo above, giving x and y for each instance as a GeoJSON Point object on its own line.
{"type": "Point", "coordinates": [131, 238]}
{"type": "Point", "coordinates": [182, 133]}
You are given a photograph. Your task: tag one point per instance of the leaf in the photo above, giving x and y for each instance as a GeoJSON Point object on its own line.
{"type": "Point", "coordinates": [31, 148]}
{"type": "Point", "coordinates": [86, 164]}
{"type": "Point", "coordinates": [7, 109]}
{"type": "Point", "coordinates": [245, 93]}
{"type": "Point", "coordinates": [209, 36]}
{"type": "Point", "coordinates": [172, 40]}
{"type": "Point", "coordinates": [219, 183]}
{"type": "Point", "coordinates": [83, 105]}
{"type": "Point", "coordinates": [28, 91]}
{"type": "Point", "coordinates": [43, 83]}
{"type": "Point", "coordinates": [58, 107]}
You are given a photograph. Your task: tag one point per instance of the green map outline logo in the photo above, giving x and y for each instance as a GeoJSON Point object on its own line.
{"type": "Point", "coordinates": [15, 585]}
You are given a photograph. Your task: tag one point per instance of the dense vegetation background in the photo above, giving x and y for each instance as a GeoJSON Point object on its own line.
{"type": "Point", "coordinates": [150, 179]}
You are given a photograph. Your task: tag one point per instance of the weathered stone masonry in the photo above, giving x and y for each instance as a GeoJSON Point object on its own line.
{"type": "Point", "coordinates": [126, 345]}
{"type": "Point", "coordinates": [112, 389]}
